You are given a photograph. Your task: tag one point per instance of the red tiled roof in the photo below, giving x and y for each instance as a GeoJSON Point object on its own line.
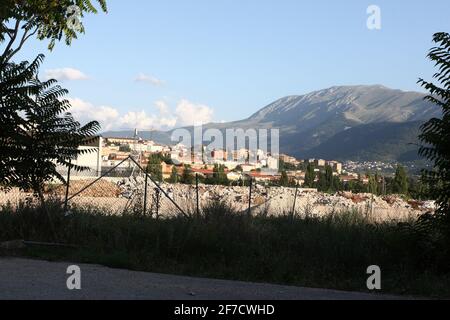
{"type": "Point", "coordinates": [255, 174]}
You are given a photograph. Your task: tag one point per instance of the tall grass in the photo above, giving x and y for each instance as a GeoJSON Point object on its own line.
{"type": "Point", "coordinates": [331, 252]}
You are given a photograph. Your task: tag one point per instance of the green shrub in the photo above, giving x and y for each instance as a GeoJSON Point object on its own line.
{"type": "Point", "coordinates": [330, 252]}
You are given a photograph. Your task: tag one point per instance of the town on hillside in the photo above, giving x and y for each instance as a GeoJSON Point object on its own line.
{"type": "Point", "coordinates": [180, 164]}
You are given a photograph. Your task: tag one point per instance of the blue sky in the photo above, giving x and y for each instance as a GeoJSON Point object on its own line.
{"type": "Point", "coordinates": [224, 60]}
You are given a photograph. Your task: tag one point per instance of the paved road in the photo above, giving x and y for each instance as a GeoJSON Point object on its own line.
{"type": "Point", "coordinates": [33, 279]}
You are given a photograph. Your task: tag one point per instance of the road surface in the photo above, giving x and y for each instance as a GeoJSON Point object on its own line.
{"type": "Point", "coordinates": [34, 279]}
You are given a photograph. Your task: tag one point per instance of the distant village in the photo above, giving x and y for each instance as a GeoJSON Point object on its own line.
{"type": "Point", "coordinates": [237, 165]}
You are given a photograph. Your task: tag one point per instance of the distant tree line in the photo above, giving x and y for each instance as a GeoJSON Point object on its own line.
{"type": "Point", "coordinates": [326, 181]}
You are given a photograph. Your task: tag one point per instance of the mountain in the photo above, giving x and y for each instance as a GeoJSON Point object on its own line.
{"type": "Point", "coordinates": [344, 122]}
{"type": "Point", "coordinates": [384, 141]}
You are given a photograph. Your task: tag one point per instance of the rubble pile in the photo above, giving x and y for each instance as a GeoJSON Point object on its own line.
{"type": "Point", "coordinates": [101, 189]}
{"type": "Point", "coordinates": [280, 200]}
{"type": "Point", "coordinates": [130, 186]}
{"type": "Point", "coordinates": [267, 200]}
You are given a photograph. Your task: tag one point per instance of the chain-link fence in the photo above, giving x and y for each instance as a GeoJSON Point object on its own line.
{"type": "Point", "coordinates": [127, 188]}
{"type": "Point", "coordinates": [124, 188]}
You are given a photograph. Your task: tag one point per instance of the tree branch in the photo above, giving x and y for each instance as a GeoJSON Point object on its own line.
{"type": "Point", "coordinates": [13, 37]}
{"type": "Point", "coordinates": [25, 37]}
{"type": "Point", "coordinates": [9, 31]}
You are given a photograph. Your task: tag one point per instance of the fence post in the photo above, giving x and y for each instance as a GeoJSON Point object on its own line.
{"type": "Point", "coordinates": [250, 198]}
{"type": "Point", "coordinates": [295, 200]}
{"type": "Point", "coordinates": [66, 201]}
{"type": "Point", "coordinates": [198, 200]}
{"type": "Point", "coordinates": [145, 191]}
{"type": "Point", "coordinates": [158, 196]}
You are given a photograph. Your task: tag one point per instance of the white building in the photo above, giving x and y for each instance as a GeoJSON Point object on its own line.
{"type": "Point", "coordinates": [90, 158]}
{"type": "Point", "coordinates": [272, 163]}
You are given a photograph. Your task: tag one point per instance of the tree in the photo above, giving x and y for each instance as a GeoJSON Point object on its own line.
{"type": "Point", "coordinates": [219, 176]}
{"type": "Point", "coordinates": [372, 186]}
{"type": "Point", "coordinates": [327, 181]}
{"type": "Point", "coordinates": [222, 177]}
{"type": "Point", "coordinates": [287, 166]}
{"type": "Point", "coordinates": [125, 148]}
{"type": "Point", "coordinates": [187, 177]}
{"type": "Point", "coordinates": [329, 178]}
{"type": "Point", "coordinates": [166, 158]}
{"type": "Point", "coordinates": [284, 179]}
{"type": "Point", "coordinates": [215, 177]}
{"type": "Point", "coordinates": [355, 186]}
{"type": "Point", "coordinates": [174, 175]}
{"type": "Point", "coordinates": [310, 176]}
{"type": "Point", "coordinates": [400, 183]}
{"type": "Point", "coordinates": [154, 167]}
{"type": "Point", "coordinates": [336, 185]}
{"type": "Point", "coordinates": [435, 134]}
{"type": "Point", "coordinates": [47, 19]}
{"type": "Point", "coordinates": [419, 188]}
{"type": "Point", "coordinates": [38, 133]}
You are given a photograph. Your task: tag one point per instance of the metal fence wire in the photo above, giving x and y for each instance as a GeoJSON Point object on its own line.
{"type": "Point", "coordinates": [128, 188]}
{"type": "Point", "coordinates": [124, 188]}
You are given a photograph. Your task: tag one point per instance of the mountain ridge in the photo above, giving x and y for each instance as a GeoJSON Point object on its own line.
{"type": "Point", "coordinates": [308, 121]}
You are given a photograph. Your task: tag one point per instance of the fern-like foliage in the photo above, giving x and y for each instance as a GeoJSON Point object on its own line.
{"type": "Point", "coordinates": [435, 134]}
{"type": "Point", "coordinates": [37, 131]}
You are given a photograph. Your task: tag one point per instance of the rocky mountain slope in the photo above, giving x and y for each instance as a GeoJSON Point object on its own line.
{"type": "Point", "coordinates": [346, 122]}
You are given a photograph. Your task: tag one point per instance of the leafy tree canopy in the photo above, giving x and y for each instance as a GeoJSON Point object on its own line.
{"type": "Point", "coordinates": [38, 133]}
{"type": "Point", "coordinates": [46, 19]}
{"type": "Point", "coordinates": [400, 183]}
{"type": "Point", "coordinates": [154, 167]}
{"type": "Point", "coordinates": [435, 134]}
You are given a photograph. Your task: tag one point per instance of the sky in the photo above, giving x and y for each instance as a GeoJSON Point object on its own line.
{"type": "Point", "coordinates": [151, 64]}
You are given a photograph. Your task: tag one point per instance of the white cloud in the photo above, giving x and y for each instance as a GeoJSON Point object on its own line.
{"type": "Point", "coordinates": [143, 121]}
{"type": "Point", "coordinates": [162, 107]}
{"type": "Point", "coordinates": [186, 113]}
{"type": "Point", "coordinates": [65, 74]}
{"type": "Point", "coordinates": [189, 113]}
{"type": "Point", "coordinates": [149, 79]}
{"type": "Point", "coordinates": [84, 112]}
